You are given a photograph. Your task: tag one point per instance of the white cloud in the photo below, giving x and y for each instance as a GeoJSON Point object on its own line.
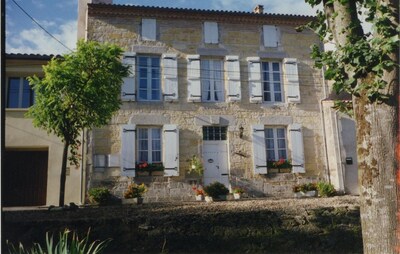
{"type": "Point", "coordinates": [37, 41]}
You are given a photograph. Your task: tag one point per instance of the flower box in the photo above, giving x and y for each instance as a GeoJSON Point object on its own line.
{"type": "Point", "coordinates": [307, 194]}
{"type": "Point", "coordinates": [208, 199]}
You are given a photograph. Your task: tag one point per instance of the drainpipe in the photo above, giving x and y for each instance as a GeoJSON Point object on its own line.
{"type": "Point", "coordinates": [328, 171]}
{"type": "Point", "coordinates": [83, 162]}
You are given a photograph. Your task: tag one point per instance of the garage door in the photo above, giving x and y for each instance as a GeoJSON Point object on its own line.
{"type": "Point", "coordinates": [25, 178]}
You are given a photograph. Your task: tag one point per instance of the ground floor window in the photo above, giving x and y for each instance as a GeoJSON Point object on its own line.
{"type": "Point", "coordinates": [149, 145]}
{"type": "Point", "coordinates": [275, 143]}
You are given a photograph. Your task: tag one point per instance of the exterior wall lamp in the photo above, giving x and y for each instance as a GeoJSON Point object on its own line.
{"type": "Point", "coordinates": [241, 129]}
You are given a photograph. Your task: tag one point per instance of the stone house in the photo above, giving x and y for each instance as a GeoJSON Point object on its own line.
{"type": "Point", "coordinates": [32, 161]}
{"type": "Point", "coordinates": [237, 90]}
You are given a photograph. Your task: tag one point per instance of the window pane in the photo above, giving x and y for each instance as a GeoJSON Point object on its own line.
{"type": "Point", "coordinates": [276, 76]}
{"type": "Point", "coordinates": [281, 143]}
{"type": "Point", "coordinates": [156, 133]}
{"type": "Point", "coordinates": [275, 66]}
{"type": "Point", "coordinates": [278, 97]}
{"type": "Point", "coordinates": [143, 84]}
{"type": "Point", "coordinates": [155, 62]}
{"type": "Point", "coordinates": [156, 156]}
{"type": "Point", "coordinates": [269, 133]}
{"type": "Point", "coordinates": [155, 73]}
{"type": "Point", "coordinates": [26, 94]}
{"type": "Point", "coordinates": [269, 143]}
{"type": "Point", "coordinates": [155, 84]}
{"type": "Point", "coordinates": [282, 154]}
{"type": "Point", "coordinates": [142, 61]}
{"type": "Point", "coordinates": [142, 133]}
{"type": "Point", "coordinates": [143, 72]}
{"type": "Point", "coordinates": [270, 155]}
{"type": "Point", "coordinates": [280, 132]}
{"type": "Point", "coordinates": [13, 92]}
{"type": "Point", "coordinates": [265, 66]}
{"type": "Point", "coordinates": [143, 156]}
{"type": "Point", "coordinates": [277, 87]}
{"type": "Point", "coordinates": [143, 145]}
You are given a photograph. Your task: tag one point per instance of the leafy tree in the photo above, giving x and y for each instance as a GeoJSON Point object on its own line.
{"type": "Point", "coordinates": [365, 65]}
{"type": "Point", "coordinates": [79, 90]}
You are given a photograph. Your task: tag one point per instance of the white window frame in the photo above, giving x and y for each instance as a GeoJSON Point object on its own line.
{"type": "Point", "coordinates": [20, 92]}
{"type": "Point", "coordinates": [149, 78]}
{"type": "Point", "coordinates": [275, 138]}
{"type": "Point", "coordinates": [149, 143]}
{"type": "Point", "coordinates": [215, 78]}
{"type": "Point", "coordinates": [271, 81]}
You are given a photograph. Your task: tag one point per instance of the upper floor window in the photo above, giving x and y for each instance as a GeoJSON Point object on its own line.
{"type": "Point", "coordinates": [271, 36]}
{"type": "Point", "coordinates": [19, 93]}
{"type": "Point", "coordinates": [212, 81]}
{"type": "Point", "coordinates": [149, 32]}
{"type": "Point", "coordinates": [149, 88]}
{"type": "Point", "coordinates": [272, 81]}
{"type": "Point", "coordinates": [211, 32]}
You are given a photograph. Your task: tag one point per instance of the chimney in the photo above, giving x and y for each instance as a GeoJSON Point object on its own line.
{"type": "Point", "coordinates": [259, 9]}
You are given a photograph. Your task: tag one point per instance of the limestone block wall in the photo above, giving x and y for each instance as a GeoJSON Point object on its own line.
{"type": "Point", "coordinates": [184, 37]}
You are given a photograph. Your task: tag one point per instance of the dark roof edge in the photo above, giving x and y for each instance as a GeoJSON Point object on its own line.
{"type": "Point", "coordinates": [30, 56]}
{"type": "Point", "coordinates": [203, 11]}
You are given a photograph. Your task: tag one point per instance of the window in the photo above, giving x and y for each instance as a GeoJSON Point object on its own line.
{"type": "Point", "coordinates": [275, 143]}
{"type": "Point", "coordinates": [212, 81]}
{"type": "Point", "coordinates": [149, 145]}
{"type": "Point", "coordinates": [214, 133]}
{"type": "Point", "coordinates": [149, 29]}
{"type": "Point", "coordinates": [149, 78]}
{"type": "Point", "coordinates": [271, 36]}
{"type": "Point", "coordinates": [211, 32]}
{"type": "Point", "coordinates": [19, 93]}
{"type": "Point", "coordinates": [271, 80]}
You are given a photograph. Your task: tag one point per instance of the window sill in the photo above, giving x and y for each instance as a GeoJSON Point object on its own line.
{"type": "Point", "coordinates": [17, 109]}
{"type": "Point", "coordinates": [279, 170]}
{"type": "Point", "coordinates": [274, 105]}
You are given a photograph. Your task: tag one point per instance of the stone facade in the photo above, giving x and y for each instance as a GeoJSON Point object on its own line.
{"type": "Point", "coordinates": [180, 32]}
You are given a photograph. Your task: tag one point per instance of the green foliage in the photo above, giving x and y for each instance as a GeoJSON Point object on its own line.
{"type": "Point", "coordinates": [67, 244]}
{"type": "Point", "coordinates": [326, 189]}
{"type": "Point", "coordinates": [196, 166]}
{"type": "Point", "coordinates": [215, 190]}
{"type": "Point", "coordinates": [80, 90]}
{"type": "Point", "coordinates": [357, 67]}
{"type": "Point", "coordinates": [100, 195]}
{"type": "Point", "coordinates": [135, 191]}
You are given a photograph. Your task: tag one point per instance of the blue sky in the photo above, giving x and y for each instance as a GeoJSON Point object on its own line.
{"type": "Point", "coordinates": [59, 18]}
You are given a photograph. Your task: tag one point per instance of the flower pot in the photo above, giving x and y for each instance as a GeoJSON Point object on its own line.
{"type": "Point", "coordinates": [132, 201]}
{"type": "Point", "coordinates": [199, 197]}
{"type": "Point", "coordinates": [236, 195]}
{"type": "Point", "coordinates": [311, 193]}
{"type": "Point", "coordinates": [208, 199]}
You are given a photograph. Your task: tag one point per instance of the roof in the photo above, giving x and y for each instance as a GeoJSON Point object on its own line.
{"type": "Point", "coordinates": [30, 56]}
{"type": "Point", "coordinates": [199, 14]}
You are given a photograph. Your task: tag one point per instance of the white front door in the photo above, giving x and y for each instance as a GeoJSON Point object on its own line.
{"type": "Point", "coordinates": [215, 160]}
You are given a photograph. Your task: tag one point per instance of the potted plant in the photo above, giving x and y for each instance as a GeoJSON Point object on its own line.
{"type": "Point", "coordinates": [199, 193]}
{"type": "Point", "coordinates": [99, 195]}
{"type": "Point", "coordinates": [196, 166]}
{"type": "Point", "coordinates": [237, 192]}
{"type": "Point", "coordinates": [305, 190]}
{"type": "Point", "coordinates": [326, 189]}
{"type": "Point", "coordinates": [135, 192]}
{"type": "Point", "coordinates": [216, 191]}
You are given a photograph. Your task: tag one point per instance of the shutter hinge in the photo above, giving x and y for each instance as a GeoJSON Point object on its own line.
{"type": "Point", "coordinates": [256, 96]}
{"type": "Point", "coordinates": [293, 96]}
{"type": "Point", "coordinates": [261, 166]}
{"type": "Point", "coordinates": [255, 130]}
{"type": "Point", "coordinates": [170, 58]}
{"type": "Point", "coordinates": [234, 95]}
{"type": "Point", "coordinates": [169, 94]}
{"type": "Point", "coordinates": [125, 94]}
{"type": "Point", "coordinates": [299, 165]}
{"type": "Point", "coordinates": [170, 130]}
{"type": "Point", "coordinates": [127, 169]}
{"type": "Point", "coordinates": [126, 130]}
{"type": "Point", "coordinates": [299, 130]}
{"type": "Point", "coordinates": [129, 57]}
{"type": "Point", "coordinates": [224, 174]}
{"type": "Point", "coordinates": [175, 168]}
{"type": "Point", "coordinates": [196, 96]}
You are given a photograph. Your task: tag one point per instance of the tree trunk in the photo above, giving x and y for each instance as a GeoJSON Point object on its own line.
{"type": "Point", "coordinates": [377, 127]}
{"type": "Point", "coordinates": [63, 174]}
